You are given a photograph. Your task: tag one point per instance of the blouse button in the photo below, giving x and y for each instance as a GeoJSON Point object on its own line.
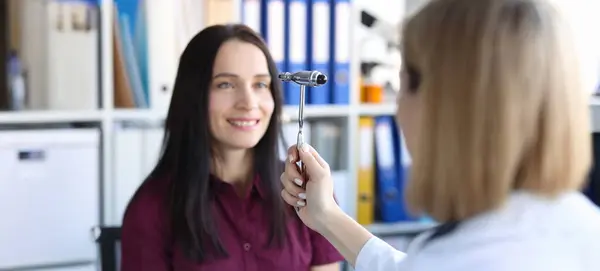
{"type": "Point", "coordinates": [247, 247]}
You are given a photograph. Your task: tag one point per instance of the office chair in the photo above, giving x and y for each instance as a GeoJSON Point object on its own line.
{"type": "Point", "coordinates": [109, 242]}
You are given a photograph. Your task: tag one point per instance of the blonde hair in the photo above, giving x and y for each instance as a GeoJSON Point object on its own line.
{"type": "Point", "coordinates": [503, 106]}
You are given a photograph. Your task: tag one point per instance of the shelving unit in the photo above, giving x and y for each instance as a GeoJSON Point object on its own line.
{"type": "Point", "coordinates": [108, 116]}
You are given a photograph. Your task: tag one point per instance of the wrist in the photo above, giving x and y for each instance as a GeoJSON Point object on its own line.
{"type": "Point", "coordinates": [328, 218]}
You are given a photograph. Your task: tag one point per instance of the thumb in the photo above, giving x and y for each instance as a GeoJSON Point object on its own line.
{"type": "Point", "coordinates": [313, 167]}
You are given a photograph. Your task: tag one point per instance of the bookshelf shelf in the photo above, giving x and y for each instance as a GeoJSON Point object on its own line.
{"type": "Point", "coordinates": [317, 111]}
{"type": "Point", "coordinates": [49, 116]}
{"type": "Point", "coordinates": [383, 109]}
{"type": "Point", "coordinates": [138, 115]}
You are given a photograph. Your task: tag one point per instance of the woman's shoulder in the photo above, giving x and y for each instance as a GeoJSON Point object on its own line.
{"type": "Point", "coordinates": [149, 201]}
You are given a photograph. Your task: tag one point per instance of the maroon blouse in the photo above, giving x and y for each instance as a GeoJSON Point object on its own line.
{"type": "Point", "coordinates": [243, 227]}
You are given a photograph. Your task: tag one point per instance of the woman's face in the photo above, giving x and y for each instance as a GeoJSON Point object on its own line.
{"type": "Point", "coordinates": [408, 112]}
{"type": "Point", "coordinates": [240, 100]}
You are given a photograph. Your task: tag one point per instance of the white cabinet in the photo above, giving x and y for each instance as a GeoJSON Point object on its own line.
{"type": "Point", "coordinates": [49, 196]}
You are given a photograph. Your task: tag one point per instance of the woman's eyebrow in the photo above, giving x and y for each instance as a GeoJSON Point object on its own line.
{"type": "Point", "coordinates": [226, 74]}
{"type": "Point", "coordinates": [263, 75]}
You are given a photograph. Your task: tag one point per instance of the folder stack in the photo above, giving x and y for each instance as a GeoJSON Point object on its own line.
{"type": "Point", "coordinates": [383, 170]}
{"type": "Point", "coordinates": [307, 34]}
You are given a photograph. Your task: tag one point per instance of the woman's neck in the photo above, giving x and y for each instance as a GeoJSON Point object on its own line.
{"type": "Point", "coordinates": [234, 166]}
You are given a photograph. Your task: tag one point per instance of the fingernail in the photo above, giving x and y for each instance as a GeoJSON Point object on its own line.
{"type": "Point", "coordinates": [301, 203]}
{"type": "Point", "coordinates": [298, 182]}
{"type": "Point", "coordinates": [291, 158]}
{"type": "Point", "coordinates": [305, 147]}
{"type": "Point", "coordinates": [302, 195]}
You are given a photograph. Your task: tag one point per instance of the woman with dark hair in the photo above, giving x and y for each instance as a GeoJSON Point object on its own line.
{"type": "Point", "coordinates": [213, 200]}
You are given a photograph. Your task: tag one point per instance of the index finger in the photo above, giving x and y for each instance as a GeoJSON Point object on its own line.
{"type": "Point", "coordinates": [293, 155]}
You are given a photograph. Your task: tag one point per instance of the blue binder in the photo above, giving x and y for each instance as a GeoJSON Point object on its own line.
{"type": "Point", "coordinates": [390, 198]}
{"type": "Point", "coordinates": [273, 30]}
{"type": "Point", "coordinates": [319, 52]}
{"type": "Point", "coordinates": [403, 164]}
{"type": "Point", "coordinates": [296, 41]}
{"type": "Point", "coordinates": [341, 23]}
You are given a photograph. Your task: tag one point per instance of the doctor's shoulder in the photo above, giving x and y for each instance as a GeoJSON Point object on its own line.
{"type": "Point", "coordinates": [530, 235]}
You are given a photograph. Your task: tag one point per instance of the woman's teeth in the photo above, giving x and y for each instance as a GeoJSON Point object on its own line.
{"type": "Point", "coordinates": [245, 123]}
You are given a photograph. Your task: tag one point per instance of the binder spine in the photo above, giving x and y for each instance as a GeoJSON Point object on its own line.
{"type": "Point", "coordinates": [319, 54]}
{"type": "Point", "coordinates": [340, 51]}
{"type": "Point", "coordinates": [296, 45]}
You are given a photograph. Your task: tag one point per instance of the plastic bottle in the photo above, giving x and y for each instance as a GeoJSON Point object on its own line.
{"type": "Point", "coordinates": [16, 81]}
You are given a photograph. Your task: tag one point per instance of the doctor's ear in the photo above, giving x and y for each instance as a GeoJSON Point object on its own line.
{"type": "Point", "coordinates": [414, 78]}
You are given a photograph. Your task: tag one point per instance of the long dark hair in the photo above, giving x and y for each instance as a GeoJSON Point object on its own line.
{"type": "Point", "coordinates": [186, 155]}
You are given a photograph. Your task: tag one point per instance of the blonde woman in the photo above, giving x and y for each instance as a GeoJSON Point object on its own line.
{"type": "Point", "coordinates": [495, 115]}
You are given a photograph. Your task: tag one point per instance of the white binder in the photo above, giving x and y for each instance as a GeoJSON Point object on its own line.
{"type": "Point", "coordinates": [136, 151]}
{"type": "Point", "coordinates": [127, 171]}
{"type": "Point", "coordinates": [163, 51]}
{"type": "Point", "coordinates": [290, 133]}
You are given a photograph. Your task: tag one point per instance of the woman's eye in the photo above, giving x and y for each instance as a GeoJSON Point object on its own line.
{"type": "Point", "coordinates": [224, 85]}
{"type": "Point", "coordinates": [262, 85]}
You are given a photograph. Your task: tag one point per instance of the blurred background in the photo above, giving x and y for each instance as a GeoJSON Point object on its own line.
{"type": "Point", "coordinates": [85, 85]}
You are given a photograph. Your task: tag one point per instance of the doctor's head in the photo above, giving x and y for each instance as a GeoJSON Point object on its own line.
{"type": "Point", "coordinates": [492, 101]}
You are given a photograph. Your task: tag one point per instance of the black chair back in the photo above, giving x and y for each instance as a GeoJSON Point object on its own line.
{"type": "Point", "coordinates": [109, 243]}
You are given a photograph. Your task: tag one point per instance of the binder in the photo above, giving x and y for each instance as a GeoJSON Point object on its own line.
{"type": "Point", "coordinates": [404, 175]}
{"type": "Point", "coordinates": [5, 34]}
{"type": "Point", "coordinates": [319, 49]}
{"type": "Point", "coordinates": [326, 138]}
{"type": "Point", "coordinates": [130, 54]}
{"type": "Point", "coordinates": [251, 15]}
{"type": "Point", "coordinates": [190, 21]}
{"type": "Point", "coordinates": [136, 151]}
{"type": "Point", "coordinates": [289, 132]}
{"type": "Point", "coordinates": [152, 140]}
{"type": "Point", "coordinates": [122, 87]}
{"type": "Point", "coordinates": [389, 194]}
{"type": "Point", "coordinates": [273, 30]}
{"type": "Point", "coordinates": [341, 190]}
{"type": "Point", "coordinates": [340, 51]}
{"type": "Point", "coordinates": [127, 171]}
{"type": "Point", "coordinates": [132, 64]}
{"type": "Point", "coordinates": [366, 174]}
{"type": "Point", "coordinates": [296, 37]}
{"type": "Point", "coordinates": [60, 40]}
{"type": "Point", "coordinates": [163, 53]}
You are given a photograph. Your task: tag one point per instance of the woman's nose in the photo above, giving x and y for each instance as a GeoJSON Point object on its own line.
{"type": "Point", "coordinates": [247, 98]}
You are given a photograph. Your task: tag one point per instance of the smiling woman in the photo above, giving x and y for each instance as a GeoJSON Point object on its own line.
{"type": "Point", "coordinates": [212, 201]}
